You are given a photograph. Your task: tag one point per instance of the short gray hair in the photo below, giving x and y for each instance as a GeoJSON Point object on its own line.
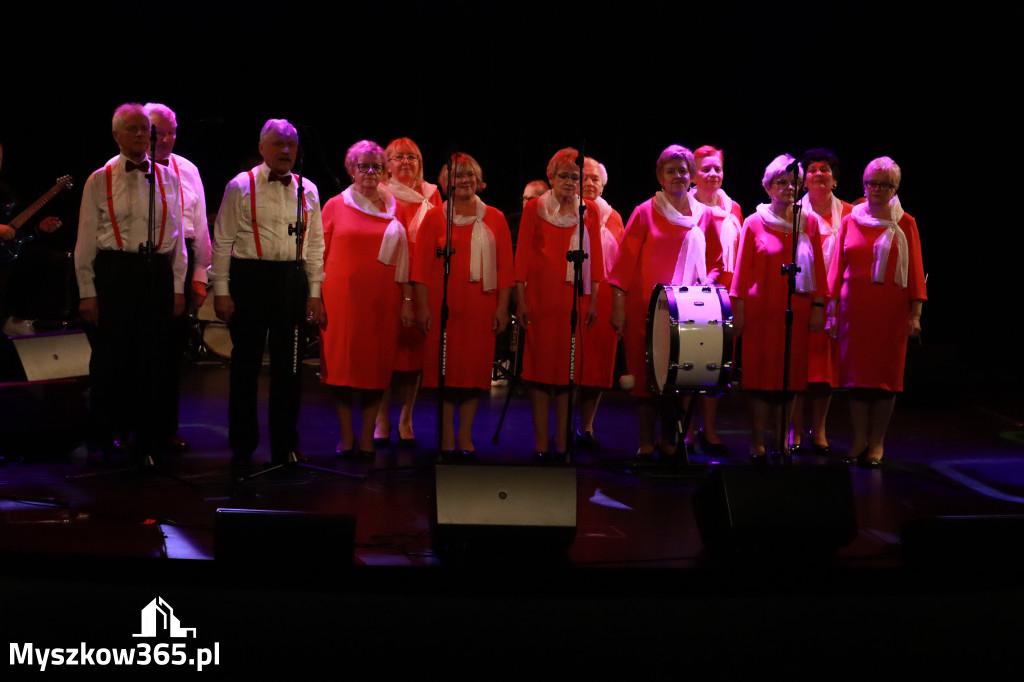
{"type": "Point", "coordinates": [126, 111]}
{"type": "Point", "coordinates": [163, 110]}
{"type": "Point", "coordinates": [778, 167]}
{"type": "Point", "coordinates": [277, 125]}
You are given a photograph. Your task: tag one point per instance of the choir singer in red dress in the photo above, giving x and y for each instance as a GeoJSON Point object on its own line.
{"type": "Point", "coordinates": [366, 292]}
{"type": "Point", "coordinates": [878, 277]}
{"type": "Point", "coordinates": [479, 285]}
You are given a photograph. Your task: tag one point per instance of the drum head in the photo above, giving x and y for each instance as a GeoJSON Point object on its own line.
{"type": "Point", "coordinates": [660, 333]}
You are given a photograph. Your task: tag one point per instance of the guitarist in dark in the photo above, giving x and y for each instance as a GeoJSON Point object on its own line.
{"type": "Point", "coordinates": [21, 277]}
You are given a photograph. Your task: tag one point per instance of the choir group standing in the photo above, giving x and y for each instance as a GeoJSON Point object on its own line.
{"type": "Point", "coordinates": [372, 281]}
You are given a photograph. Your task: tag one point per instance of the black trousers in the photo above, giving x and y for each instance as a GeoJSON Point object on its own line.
{"type": "Point", "coordinates": [180, 329]}
{"type": "Point", "coordinates": [269, 298]}
{"type": "Point", "coordinates": [132, 355]}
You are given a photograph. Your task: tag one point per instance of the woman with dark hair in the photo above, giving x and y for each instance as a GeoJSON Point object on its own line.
{"type": "Point", "coordinates": [878, 278]}
{"type": "Point", "coordinates": [479, 285]}
{"type": "Point", "coordinates": [549, 229]}
{"type": "Point", "coordinates": [666, 241]}
{"type": "Point", "coordinates": [366, 293]}
{"type": "Point", "coordinates": [821, 177]}
{"type": "Point", "coordinates": [759, 293]}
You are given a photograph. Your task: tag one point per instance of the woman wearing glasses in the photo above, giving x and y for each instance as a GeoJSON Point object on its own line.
{"type": "Point", "coordinates": [479, 286]}
{"type": "Point", "coordinates": [664, 243]}
{"type": "Point", "coordinates": [366, 292]}
{"type": "Point", "coordinates": [759, 295]}
{"type": "Point", "coordinates": [549, 229]}
{"type": "Point", "coordinates": [878, 277]}
{"type": "Point", "coordinates": [404, 178]}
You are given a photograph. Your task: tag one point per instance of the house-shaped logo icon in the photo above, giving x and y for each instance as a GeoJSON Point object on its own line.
{"type": "Point", "coordinates": [158, 619]}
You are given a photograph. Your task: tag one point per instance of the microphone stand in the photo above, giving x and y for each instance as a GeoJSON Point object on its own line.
{"type": "Point", "coordinates": [299, 230]}
{"type": "Point", "coordinates": [789, 270]}
{"type": "Point", "coordinates": [576, 257]}
{"type": "Point", "coordinates": [445, 254]}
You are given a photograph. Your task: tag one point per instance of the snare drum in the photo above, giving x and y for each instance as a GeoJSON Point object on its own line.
{"type": "Point", "coordinates": [689, 339]}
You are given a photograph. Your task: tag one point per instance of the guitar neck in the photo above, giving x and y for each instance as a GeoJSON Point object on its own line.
{"type": "Point", "coordinates": [25, 215]}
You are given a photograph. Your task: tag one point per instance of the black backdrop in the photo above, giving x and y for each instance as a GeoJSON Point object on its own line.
{"type": "Point", "coordinates": [511, 83]}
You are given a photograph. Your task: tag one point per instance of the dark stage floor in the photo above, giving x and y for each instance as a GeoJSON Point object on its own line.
{"type": "Point", "coordinates": [635, 591]}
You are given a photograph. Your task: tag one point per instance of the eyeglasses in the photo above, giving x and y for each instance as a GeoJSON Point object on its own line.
{"type": "Point", "coordinates": [411, 158]}
{"type": "Point", "coordinates": [568, 177]}
{"type": "Point", "coordinates": [783, 182]}
{"type": "Point", "coordinates": [370, 168]}
{"type": "Point", "coordinates": [872, 184]}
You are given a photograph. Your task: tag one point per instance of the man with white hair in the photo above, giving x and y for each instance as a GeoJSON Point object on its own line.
{"type": "Point", "coordinates": [197, 245]}
{"type": "Point", "coordinates": [261, 292]}
{"type": "Point", "coordinates": [129, 295]}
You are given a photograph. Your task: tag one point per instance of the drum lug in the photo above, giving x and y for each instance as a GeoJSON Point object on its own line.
{"type": "Point", "coordinates": [687, 366]}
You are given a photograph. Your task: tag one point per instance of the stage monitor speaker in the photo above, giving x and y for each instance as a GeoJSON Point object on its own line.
{"type": "Point", "coordinates": [779, 510]}
{"type": "Point", "coordinates": [284, 539]}
{"type": "Point", "coordinates": [513, 511]}
{"type": "Point", "coordinates": [57, 355]}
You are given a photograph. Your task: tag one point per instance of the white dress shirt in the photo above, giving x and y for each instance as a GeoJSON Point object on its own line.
{"type": "Point", "coordinates": [275, 211]}
{"type": "Point", "coordinates": [131, 208]}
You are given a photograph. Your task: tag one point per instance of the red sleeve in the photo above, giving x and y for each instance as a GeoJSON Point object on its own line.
{"type": "Point", "coordinates": [592, 220]}
{"type": "Point", "coordinates": [633, 238]}
{"type": "Point", "coordinates": [838, 268]}
{"type": "Point", "coordinates": [915, 271]}
{"type": "Point", "coordinates": [524, 241]}
{"type": "Point", "coordinates": [742, 275]}
{"type": "Point", "coordinates": [423, 254]}
{"type": "Point", "coordinates": [495, 220]}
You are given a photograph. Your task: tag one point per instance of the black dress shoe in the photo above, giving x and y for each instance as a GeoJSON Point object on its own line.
{"type": "Point", "coordinates": [345, 454]}
{"type": "Point", "coordinates": [406, 443]}
{"type": "Point", "coordinates": [467, 454]}
{"type": "Point", "coordinates": [758, 458]}
{"type": "Point", "coordinates": [868, 463]}
{"type": "Point", "coordinates": [710, 448]}
{"type": "Point", "coordinates": [820, 449]}
{"type": "Point", "coordinates": [586, 440]}
{"type": "Point", "coordinates": [366, 454]}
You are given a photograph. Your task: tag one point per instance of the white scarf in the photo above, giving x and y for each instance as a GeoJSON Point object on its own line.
{"type": "Point", "coordinates": [691, 265]}
{"type": "Point", "coordinates": [804, 249]}
{"type": "Point", "coordinates": [828, 243]}
{"type": "Point", "coordinates": [883, 244]}
{"type": "Point", "coordinates": [410, 196]}
{"type": "Point", "coordinates": [547, 209]}
{"type": "Point", "coordinates": [483, 253]}
{"type": "Point", "coordinates": [609, 244]}
{"type": "Point", "coordinates": [731, 226]}
{"type": "Point", "coordinates": [394, 247]}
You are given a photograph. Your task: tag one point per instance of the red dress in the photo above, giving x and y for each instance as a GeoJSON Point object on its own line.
{"type": "Point", "coordinates": [470, 350]}
{"type": "Point", "coordinates": [540, 263]}
{"type": "Point", "coordinates": [410, 356]}
{"type": "Point", "coordinates": [362, 300]}
{"type": "Point", "coordinates": [873, 317]}
{"type": "Point", "coordinates": [647, 257]}
{"type": "Point", "coordinates": [823, 358]}
{"type": "Point", "coordinates": [758, 281]}
{"type": "Point", "coordinates": [600, 341]}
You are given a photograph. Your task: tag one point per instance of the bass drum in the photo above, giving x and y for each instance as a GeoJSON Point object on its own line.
{"type": "Point", "coordinates": [689, 339]}
{"type": "Point", "coordinates": [216, 337]}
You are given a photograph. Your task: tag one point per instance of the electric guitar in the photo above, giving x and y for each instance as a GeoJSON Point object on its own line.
{"type": "Point", "coordinates": [11, 249]}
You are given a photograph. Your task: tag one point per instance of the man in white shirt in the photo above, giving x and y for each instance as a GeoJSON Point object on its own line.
{"type": "Point", "coordinates": [129, 293]}
{"type": "Point", "coordinates": [197, 245]}
{"type": "Point", "coordinates": [262, 293]}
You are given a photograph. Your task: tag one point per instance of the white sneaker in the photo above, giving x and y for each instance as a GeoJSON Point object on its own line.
{"type": "Point", "coordinates": [22, 328]}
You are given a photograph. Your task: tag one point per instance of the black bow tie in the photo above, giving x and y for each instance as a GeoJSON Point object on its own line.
{"type": "Point", "coordinates": [163, 162]}
{"type": "Point", "coordinates": [130, 166]}
{"type": "Point", "coordinates": [283, 179]}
